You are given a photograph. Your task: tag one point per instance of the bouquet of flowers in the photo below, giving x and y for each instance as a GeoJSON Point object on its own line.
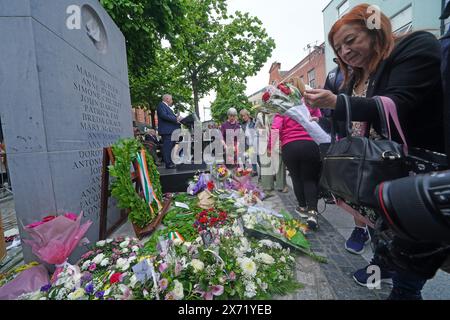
{"type": "Point", "coordinates": [55, 237]}
{"type": "Point", "coordinates": [287, 99]}
{"type": "Point", "coordinates": [21, 280]}
{"type": "Point", "coordinates": [200, 183]}
{"type": "Point", "coordinates": [286, 230]}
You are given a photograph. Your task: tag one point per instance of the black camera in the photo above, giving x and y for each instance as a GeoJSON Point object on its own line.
{"type": "Point", "coordinates": [417, 208]}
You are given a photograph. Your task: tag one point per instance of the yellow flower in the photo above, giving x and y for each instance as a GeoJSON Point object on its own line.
{"type": "Point", "coordinates": [290, 233]}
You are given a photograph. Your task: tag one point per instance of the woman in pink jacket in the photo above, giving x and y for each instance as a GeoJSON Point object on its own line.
{"type": "Point", "coordinates": [301, 156]}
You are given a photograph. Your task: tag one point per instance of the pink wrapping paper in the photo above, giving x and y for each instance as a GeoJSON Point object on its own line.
{"type": "Point", "coordinates": [27, 281]}
{"type": "Point", "coordinates": [54, 241]}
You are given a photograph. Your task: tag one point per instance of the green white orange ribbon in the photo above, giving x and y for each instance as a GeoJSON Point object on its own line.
{"type": "Point", "coordinates": [147, 187]}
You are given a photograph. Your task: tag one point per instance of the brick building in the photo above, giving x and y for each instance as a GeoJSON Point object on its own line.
{"type": "Point", "coordinates": [311, 69]}
{"type": "Point", "coordinates": [142, 116]}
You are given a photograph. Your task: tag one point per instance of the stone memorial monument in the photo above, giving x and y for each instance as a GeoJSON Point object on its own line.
{"type": "Point", "coordinates": [64, 96]}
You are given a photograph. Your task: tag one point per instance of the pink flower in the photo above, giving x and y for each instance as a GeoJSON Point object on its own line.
{"type": "Point", "coordinates": [163, 267]}
{"type": "Point", "coordinates": [217, 290]}
{"type": "Point", "coordinates": [71, 216]}
{"type": "Point", "coordinates": [92, 267]}
{"type": "Point", "coordinates": [232, 276]}
{"type": "Point", "coordinates": [87, 254]}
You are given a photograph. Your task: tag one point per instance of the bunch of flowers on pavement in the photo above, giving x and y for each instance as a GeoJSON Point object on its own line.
{"type": "Point", "coordinates": [285, 229]}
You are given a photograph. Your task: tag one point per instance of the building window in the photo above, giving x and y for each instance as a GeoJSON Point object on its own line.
{"type": "Point", "coordinates": [312, 78]}
{"type": "Point", "coordinates": [402, 21]}
{"type": "Point", "coordinates": [343, 8]}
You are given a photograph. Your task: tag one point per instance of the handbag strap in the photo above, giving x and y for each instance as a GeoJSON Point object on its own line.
{"type": "Point", "coordinates": [390, 110]}
{"type": "Point", "coordinates": [348, 117]}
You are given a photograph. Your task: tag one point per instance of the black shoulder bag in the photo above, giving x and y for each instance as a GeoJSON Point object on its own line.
{"type": "Point", "coordinates": [354, 166]}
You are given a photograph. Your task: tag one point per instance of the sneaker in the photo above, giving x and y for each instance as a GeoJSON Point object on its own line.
{"type": "Point", "coordinates": [301, 212]}
{"type": "Point", "coordinates": [400, 294]}
{"type": "Point", "coordinates": [358, 239]}
{"type": "Point", "coordinates": [313, 221]}
{"type": "Point", "coordinates": [362, 276]}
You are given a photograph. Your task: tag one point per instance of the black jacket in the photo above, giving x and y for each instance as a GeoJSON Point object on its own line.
{"type": "Point", "coordinates": [411, 78]}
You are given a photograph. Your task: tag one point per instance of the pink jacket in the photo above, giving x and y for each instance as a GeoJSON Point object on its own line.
{"type": "Point", "coordinates": [289, 129]}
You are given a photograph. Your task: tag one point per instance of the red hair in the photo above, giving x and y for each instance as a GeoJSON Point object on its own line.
{"type": "Point", "coordinates": [382, 38]}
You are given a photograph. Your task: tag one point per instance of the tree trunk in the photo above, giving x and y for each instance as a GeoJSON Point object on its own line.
{"type": "Point", "coordinates": [195, 91]}
{"type": "Point", "coordinates": [152, 117]}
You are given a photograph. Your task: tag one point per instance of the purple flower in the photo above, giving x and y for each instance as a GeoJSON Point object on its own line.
{"type": "Point", "coordinates": [89, 288]}
{"type": "Point", "coordinates": [92, 267]}
{"type": "Point", "coordinates": [163, 267]}
{"type": "Point", "coordinates": [46, 287]}
{"type": "Point", "coordinates": [86, 277]}
{"type": "Point", "coordinates": [99, 294]}
{"type": "Point", "coordinates": [178, 269]}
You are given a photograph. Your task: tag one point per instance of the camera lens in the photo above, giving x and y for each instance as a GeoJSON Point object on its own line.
{"type": "Point", "coordinates": [418, 207]}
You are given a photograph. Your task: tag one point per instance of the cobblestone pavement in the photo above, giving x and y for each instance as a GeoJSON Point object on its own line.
{"type": "Point", "coordinates": [332, 280]}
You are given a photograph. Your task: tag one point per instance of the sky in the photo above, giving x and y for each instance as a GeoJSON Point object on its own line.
{"type": "Point", "coordinates": [293, 24]}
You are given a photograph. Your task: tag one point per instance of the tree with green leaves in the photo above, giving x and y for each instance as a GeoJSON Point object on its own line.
{"type": "Point", "coordinates": [229, 94]}
{"type": "Point", "coordinates": [144, 23]}
{"type": "Point", "coordinates": [213, 46]}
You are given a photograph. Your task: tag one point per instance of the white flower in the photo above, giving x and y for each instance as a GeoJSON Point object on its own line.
{"type": "Point", "coordinates": [178, 290]}
{"type": "Point", "coordinates": [85, 265]}
{"type": "Point", "coordinates": [145, 293]}
{"type": "Point", "coordinates": [76, 295]}
{"type": "Point", "coordinates": [283, 259]}
{"type": "Point", "coordinates": [187, 244]}
{"type": "Point", "coordinates": [265, 258]}
{"type": "Point", "coordinates": [133, 281]}
{"type": "Point", "coordinates": [104, 262]}
{"type": "Point", "coordinates": [135, 248]}
{"type": "Point", "coordinates": [292, 258]}
{"type": "Point", "coordinates": [101, 243]}
{"type": "Point", "coordinates": [109, 240]}
{"type": "Point", "coordinates": [98, 258]}
{"type": "Point", "coordinates": [124, 250]}
{"type": "Point", "coordinates": [124, 244]}
{"type": "Point", "coordinates": [122, 264]}
{"type": "Point", "coordinates": [177, 241]}
{"type": "Point", "coordinates": [248, 266]}
{"type": "Point", "coordinates": [197, 265]}
{"type": "Point", "coordinates": [250, 289]}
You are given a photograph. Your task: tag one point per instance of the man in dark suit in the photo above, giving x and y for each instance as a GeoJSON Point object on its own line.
{"type": "Point", "coordinates": [168, 122]}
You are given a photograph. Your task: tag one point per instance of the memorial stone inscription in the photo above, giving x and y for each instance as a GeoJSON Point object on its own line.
{"type": "Point", "coordinates": [66, 97]}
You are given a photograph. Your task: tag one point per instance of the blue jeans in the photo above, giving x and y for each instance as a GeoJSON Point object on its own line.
{"type": "Point", "coordinates": [408, 282]}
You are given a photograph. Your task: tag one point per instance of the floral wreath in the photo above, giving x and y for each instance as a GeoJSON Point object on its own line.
{"type": "Point", "coordinates": [126, 152]}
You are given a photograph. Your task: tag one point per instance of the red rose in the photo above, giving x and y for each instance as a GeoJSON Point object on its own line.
{"type": "Point", "coordinates": [48, 218]}
{"type": "Point", "coordinates": [266, 96]}
{"type": "Point", "coordinates": [203, 220]}
{"type": "Point", "coordinates": [115, 278]}
{"type": "Point", "coordinates": [210, 185]}
{"type": "Point", "coordinates": [286, 90]}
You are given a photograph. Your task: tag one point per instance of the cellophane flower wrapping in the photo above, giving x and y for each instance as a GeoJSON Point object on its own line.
{"type": "Point", "coordinates": [287, 100]}
{"type": "Point", "coordinates": [54, 241]}
{"type": "Point", "coordinates": [29, 280]}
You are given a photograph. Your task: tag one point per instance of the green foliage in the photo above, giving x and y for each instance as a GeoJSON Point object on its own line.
{"type": "Point", "coordinates": [144, 23]}
{"type": "Point", "coordinates": [215, 47]}
{"type": "Point", "coordinates": [229, 94]}
{"type": "Point", "coordinates": [125, 152]}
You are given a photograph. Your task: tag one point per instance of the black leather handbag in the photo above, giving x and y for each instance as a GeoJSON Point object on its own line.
{"type": "Point", "coordinates": [354, 166]}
